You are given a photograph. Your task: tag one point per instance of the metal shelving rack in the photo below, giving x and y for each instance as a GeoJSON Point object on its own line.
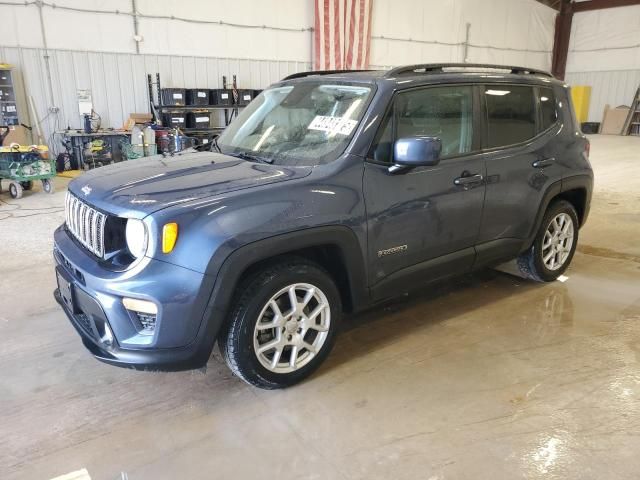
{"type": "Point", "coordinates": [157, 108]}
{"type": "Point", "coordinates": [8, 105]}
{"type": "Point", "coordinates": [632, 123]}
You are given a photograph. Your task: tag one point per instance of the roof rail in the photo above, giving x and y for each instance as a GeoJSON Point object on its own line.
{"type": "Point", "coordinates": [319, 72]}
{"type": "Point", "coordinates": [439, 68]}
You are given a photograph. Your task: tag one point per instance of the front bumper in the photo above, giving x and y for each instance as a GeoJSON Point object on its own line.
{"type": "Point", "coordinates": [180, 339]}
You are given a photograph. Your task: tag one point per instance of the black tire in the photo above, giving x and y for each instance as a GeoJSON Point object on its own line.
{"type": "Point", "coordinates": [531, 263]}
{"type": "Point", "coordinates": [15, 190]}
{"type": "Point", "coordinates": [47, 185]}
{"type": "Point", "coordinates": [236, 341]}
{"type": "Point", "coordinates": [27, 185]}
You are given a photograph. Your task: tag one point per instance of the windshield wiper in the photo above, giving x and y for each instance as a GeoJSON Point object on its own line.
{"type": "Point", "coordinates": [251, 157]}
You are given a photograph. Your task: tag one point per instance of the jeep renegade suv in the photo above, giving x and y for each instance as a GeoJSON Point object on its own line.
{"type": "Point", "coordinates": [330, 192]}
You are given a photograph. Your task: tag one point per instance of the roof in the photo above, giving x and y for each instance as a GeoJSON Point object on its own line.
{"type": "Point", "coordinates": [432, 73]}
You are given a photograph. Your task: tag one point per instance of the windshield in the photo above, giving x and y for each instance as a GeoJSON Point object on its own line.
{"type": "Point", "coordinates": [304, 124]}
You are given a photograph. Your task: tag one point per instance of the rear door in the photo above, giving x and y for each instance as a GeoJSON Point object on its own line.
{"type": "Point", "coordinates": [520, 123]}
{"type": "Point", "coordinates": [423, 223]}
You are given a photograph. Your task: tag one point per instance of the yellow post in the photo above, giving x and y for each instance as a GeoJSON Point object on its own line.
{"type": "Point", "coordinates": [581, 94]}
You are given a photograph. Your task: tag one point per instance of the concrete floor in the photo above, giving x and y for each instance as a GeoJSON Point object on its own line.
{"type": "Point", "coordinates": [489, 377]}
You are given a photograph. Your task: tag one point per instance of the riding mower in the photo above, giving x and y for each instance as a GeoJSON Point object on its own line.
{"type": "Point", "coordinates": [23, 165]}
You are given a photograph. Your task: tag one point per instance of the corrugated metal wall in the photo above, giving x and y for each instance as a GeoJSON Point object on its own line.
{"type": "Point", "coordinates": [604, 54]}
{"type": "Point", "coordinates": [118, 81]}
{"type": "Point", "coordinates": [613, 88]}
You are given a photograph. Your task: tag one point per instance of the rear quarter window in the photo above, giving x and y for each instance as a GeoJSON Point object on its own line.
{"type": "Point", "coordinates": [548, 108]}
{"type": "Point", "coordinates": [511, 114]}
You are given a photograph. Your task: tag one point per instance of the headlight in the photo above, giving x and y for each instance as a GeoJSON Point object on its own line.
{"type": "Point", "coordinates": [136, 235]}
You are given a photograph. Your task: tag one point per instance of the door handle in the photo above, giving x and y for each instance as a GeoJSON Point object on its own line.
{"type": "Point", "coordinates": [543, 163]}
{"type": "Point", "coordinates": [468, 179]}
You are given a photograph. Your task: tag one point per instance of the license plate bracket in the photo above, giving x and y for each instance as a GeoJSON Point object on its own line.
{"type": "Point", "coordinates": [66, 292]}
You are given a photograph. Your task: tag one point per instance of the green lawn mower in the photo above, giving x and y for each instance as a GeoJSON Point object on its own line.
{"type": "Point", "coordinates": [23, 165]}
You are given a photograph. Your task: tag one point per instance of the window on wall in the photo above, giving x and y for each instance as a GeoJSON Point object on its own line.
{"type": "Point", "coordinates": [511, 114]}
{"type": "Point", "coordinates": [443, 112]}
{"type": "Point", "coordinates": [548, 108]}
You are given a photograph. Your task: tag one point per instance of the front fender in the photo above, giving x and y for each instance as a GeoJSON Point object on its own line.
{"type": "Point", "coordinates": [230, 268]}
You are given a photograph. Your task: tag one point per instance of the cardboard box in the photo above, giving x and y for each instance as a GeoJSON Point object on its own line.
{"type": "Point", "coordinates": [137, 118]}
{"type": "Point", "coordinates": [17, 134]}
{"type": "Point", "coordinates": [613, 120]}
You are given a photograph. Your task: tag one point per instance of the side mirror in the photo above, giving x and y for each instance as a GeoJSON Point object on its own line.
{"type": "Point", "coordinates": [416, 152]}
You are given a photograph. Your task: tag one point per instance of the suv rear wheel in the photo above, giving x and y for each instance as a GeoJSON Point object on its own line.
{"type": "Point", "coordinates": [554, 246]}
{"type": "Point", "coordinates": [282, 325]}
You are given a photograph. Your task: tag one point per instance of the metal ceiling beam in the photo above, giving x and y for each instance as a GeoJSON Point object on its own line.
{"type": "Point", "coordinates": [590, 4]}
{"type": "Point", "coordinates": [600, 4]}
{"type": "Point", "coordinates": [561, 39]}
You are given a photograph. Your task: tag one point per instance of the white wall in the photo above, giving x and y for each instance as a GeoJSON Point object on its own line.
{"type": "Point", "coordinates": [97, 51]}
{"type": "Point", "coordinates": [118, 81]}
{"type": "Point", "coordinates": [515, 32]}
{"type": "Point", "coordinates": [604, 52]}
{"type": "Point", "coordinates": [109, 32]}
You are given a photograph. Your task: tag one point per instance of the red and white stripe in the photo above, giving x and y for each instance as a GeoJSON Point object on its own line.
{"type": "Point", "coordinates": [342, 34]}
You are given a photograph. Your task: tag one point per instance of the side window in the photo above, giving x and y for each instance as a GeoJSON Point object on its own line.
{"type": "Point", "coordinates": [511, 114]}
{"type": "Point", "coordinates": [382, 149]}
{"type": "Point", "coordinates": [547, 107]}
{"type": "Point", "coordinates": [444, 112]}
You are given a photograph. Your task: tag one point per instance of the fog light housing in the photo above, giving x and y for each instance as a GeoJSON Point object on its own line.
{"type": "Point", "coordinates": [145, 312]}
{"type": "Point", "coordinates": [137, 305]}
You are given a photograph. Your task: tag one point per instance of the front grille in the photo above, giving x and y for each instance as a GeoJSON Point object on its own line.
{"type": "Point", "coordinates": [86, 224]}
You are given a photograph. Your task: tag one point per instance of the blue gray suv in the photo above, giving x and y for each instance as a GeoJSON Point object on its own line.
{"type": "Point", "coordinates": [331, 192]}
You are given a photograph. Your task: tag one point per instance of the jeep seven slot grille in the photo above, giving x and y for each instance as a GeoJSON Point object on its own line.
{"type": "Point", "coordinates": [86, 224]}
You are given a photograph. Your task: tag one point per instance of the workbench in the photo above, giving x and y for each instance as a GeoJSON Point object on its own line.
{"type": "Point", "coordinates": [79, 137]}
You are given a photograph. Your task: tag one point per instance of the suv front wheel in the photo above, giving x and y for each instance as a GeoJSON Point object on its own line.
{"type": "Point", "coordinates": [282, 325]}
{"type": "Point", "coordinates": [554, 245]}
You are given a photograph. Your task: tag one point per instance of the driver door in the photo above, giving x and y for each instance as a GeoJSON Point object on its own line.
{"type": "Point", "coordinates": [423, 222]}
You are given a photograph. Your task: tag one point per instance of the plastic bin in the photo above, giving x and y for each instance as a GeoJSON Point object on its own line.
{"type": "Point", "coordinates": [5, 78]}
{"type": "Point", "coordinates": [198, 96]}
{"type": "Point", "coordinates": [173, 96]}
{"type": "Point", "coordinates": [6, 94]}
{"type": "Point", "coordinates": [198, 120]}
{"type": "Point", "coordinates": [9, 113]}
{"type": "Point", "coordinates": [221, 97]}
{"type": "Point", "coordinates": [174, 120]}
{"type": "Point", "coordinates": [245, 96]}
{"type": "Point", "coordinates": [590, 127]}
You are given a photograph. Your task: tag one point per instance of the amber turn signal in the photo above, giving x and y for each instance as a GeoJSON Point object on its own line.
{"type": "Point", "coordinates": [169, 237]}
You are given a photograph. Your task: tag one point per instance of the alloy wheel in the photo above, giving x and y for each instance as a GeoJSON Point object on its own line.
{"type": "Point", "coordinates": [557, 241]}
{"type": "Point", "coordinates": [292, 328]}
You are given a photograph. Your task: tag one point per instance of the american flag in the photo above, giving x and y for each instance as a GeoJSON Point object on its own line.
{"type": "Point", "coordinates": [342, 34]}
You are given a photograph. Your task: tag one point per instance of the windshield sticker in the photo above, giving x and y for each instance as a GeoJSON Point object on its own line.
{"type": "Point", "coordinates": [342, 126]}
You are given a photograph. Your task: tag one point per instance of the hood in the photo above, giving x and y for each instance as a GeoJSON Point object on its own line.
{"type": "Point", "coordinates": [137, 188]}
